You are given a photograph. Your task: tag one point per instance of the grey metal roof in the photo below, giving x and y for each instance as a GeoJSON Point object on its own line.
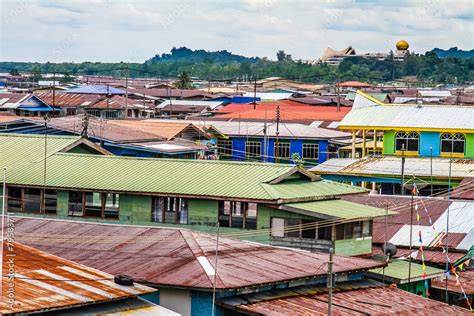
{"type": "Point", "coordinates": [287, 130]}
{"type": "Point", "coordinates": [391, 165]}
{"type": "Point", "coordinates": [366, 113]}
{"type": "Point", "coordinates": [210, 104]}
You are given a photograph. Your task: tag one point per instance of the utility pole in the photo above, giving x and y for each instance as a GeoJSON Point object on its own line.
{"type": "Point", "coordinates": [255, 93]}
{"type": "Point", "coordinates": [46, 119]}
{"type": "Point", "coordinates": [338, 97]}
{"type": "Point", "coordinates": [403, 169]}
{"type": "Point", "coordinates": [385, 243]}
{"type": "Point", "coordinates": [446, 295]}
{"type": "Point", "coordinates": [277, 132]}
{"type": "Point", "coordinates": [126, 92]}
{"type": "Point", "coordinates": [431, 169]}
{"type": "Point", "coordinates": [411, 230]}
{"type": "Point", "coordinates": [54, 89]}
{"type": "Point", "coordinates": [215, 274]}
{"type": "Point", "coordinates": [330, 282]}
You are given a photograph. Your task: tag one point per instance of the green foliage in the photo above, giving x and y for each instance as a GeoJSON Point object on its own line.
{"type": "Point", "coordinates": [184, 81]}
{"type": "Point", "coordinates": [282, 56]}
{"type": "Point", "coordinates": [429, 68]}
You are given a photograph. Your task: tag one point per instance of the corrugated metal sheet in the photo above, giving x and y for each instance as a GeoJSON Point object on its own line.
{"type": "Point", "coordinates": [287, 130]}
{"type": "Point", "coordinates": [44, 282]}
{"type": "Point", "coordinates": [432, 256]}
{"type": "Point", "coordinates": [410, 116]}
{"type": "Point", "coordinates": [465, 191]}
{"type": "Point", "coordinates": [339, 209]}
{"type": "Point", "coordinates": [190, 103]}
{"type": "Point", "coordinates": [466, 278]}
{"type": "Point", "coordinates": [390, 166]}
{"type": "Point", "coordinates": [398, 271]}
{"type": "Point", "coordinates": [164, 176]}
{"type": "Point", "coordinates": [370, 301]}
{"type": "Point", "coordinates": [168, 256]}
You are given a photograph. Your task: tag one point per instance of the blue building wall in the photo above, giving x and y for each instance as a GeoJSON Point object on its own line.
{"type": "Point", "coordinates": [296, 146]}
{"type": "Point", "coordinates": [201, 304]}
{"type": "Point", "coordinates": [427, 140]}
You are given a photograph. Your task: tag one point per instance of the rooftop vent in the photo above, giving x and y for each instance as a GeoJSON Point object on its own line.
{"type": "Point", "coordinates": [123, 280]}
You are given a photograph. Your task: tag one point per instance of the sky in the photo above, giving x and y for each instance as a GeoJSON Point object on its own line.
{"type": "Point", "coordinates": [136, 30]}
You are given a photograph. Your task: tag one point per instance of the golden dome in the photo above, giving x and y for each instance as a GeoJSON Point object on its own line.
{"type": "Point", "coordinates": [402, 45]}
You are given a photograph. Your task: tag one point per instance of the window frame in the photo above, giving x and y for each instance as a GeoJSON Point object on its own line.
{"type": "Point", "coordinates": [282, 146]}
{"type": "Point", "coordinates": [21, 202]}
{"type": "Point", "coordinates": [405, 138]}
{"type": "Point", "coordinates": [451, 138]}
{"type": "Point", "coordinates": [178, 207]}
{"type": "Point", "coordinates": [101, 209]}
{"type": "Point", "coordinates": [253, 144]}
{"type": "Point", "coordinates": [225, 148]}
{"type": "Point", "coordinates": [310, 147]}
{"type": "Point", "coordinates": [235, 214]}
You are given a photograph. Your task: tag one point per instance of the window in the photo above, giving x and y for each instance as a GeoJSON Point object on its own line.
{"type": "Point", "coordinates": [325, 233]}
{"type": "Point", "coordinates": [14, 200]}
{"type": "Point", "coordinates": [94, 204]}
{"type": "Point", "coordinates": [238, 214]}
{"type": "Point", "coordinates": [407, 141]}
{"type": "Point", "coordinates": [310, 151]}
{"type": "Point", "coordinates": [31, 200]}
{"type": "Point", "coordinates": [253, 150]}
{"type": "Point", "coordinates": [171, 210]}
{"type": "Point", "coordinates": [50, 201]}
{"type": "Point", "coordinates": [282, 150]}
{"type": "Point", "coordinates": [225, 148]}
{"type": "Point", "coordinates": [454, 143]}
{"type": "Point", "coordinates": [354, 230]}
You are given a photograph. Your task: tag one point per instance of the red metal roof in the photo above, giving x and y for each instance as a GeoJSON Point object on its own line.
{"type": "Point", "coordinates": [370, 301]}
{"type": "Point", "coordinates": [174, 257]}
{"type": "Point", "coordinates": [466, 278]}
{"type": "Point", "coordinates": [402, 205]}
{"type": "Point", "coordinates": [432, 256]}
{"type": "Point", "coordinates": [46, 282]}
{"type": "Point", "coordinates": [355, 84]}
{"type": "Point", "coordinates": [289, 110]}
{"type": "Point", "coordinates": [465, 190]}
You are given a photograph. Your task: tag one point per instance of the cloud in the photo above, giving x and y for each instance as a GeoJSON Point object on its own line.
{"type": "Point", "coordinates": [126, 30]}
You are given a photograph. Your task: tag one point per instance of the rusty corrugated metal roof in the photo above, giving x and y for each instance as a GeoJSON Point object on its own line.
{"type": "Point", "coordinates": [466, 278]}
{"type": "Point", "coordinates": [177, 257]}
{"type": "Point", "coordinates": [368, 301]}
{"type": "Point", "coordinates": [46, 282]}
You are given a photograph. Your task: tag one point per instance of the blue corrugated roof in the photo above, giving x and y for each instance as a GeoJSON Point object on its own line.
{"type": "Point", "coordinates": [42, 109]}
{"type": "Point", "coordinates": [96, 89]}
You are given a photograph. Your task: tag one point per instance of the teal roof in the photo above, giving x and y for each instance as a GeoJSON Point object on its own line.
{"type": "Point", "coordinates": [336, 209]}
{"type": "Point", "coordinates": [201, 178]}
{"type": "Point", "coordinates": [397, 271]}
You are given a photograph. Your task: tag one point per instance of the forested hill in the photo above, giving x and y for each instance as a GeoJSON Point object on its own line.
{"type": "Point", "coordinates": [453, 52]}
{"type": "Point", "coordinates": [184, 54]}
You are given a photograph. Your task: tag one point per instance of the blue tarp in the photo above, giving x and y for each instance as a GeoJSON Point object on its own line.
{"type": "Point", "coordinates": [244, 100]}
{"type": "Point", "coordinates": [95, 89]}
{"type": "Point", "coordinates": [42, 109]}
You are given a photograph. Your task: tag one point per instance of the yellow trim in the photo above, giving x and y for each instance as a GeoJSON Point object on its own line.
{"type": "Point", "coordinates": [454, 155]}
{"type": "Point", "coordinates": [407, 153]}
{"type": "Point", "coordinates": [371, 98]}
{"type": "Point", "coordinates": [407, 129]}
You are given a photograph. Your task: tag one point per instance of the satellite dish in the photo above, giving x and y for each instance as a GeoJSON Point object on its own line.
{"type": "Point", "coordinates": [390, 251]}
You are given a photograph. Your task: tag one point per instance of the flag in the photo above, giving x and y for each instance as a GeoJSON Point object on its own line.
{"type": "Point", "coordinates": [417, 217]}
{"type": "Point", "coordinates": [460, 266]}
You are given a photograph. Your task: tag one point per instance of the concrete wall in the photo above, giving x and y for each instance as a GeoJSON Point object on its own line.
{"type": "Point", "coordinates": [176, 300]}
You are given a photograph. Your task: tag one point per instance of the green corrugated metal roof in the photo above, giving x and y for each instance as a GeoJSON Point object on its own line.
{"type": "Point", "coordinates": [339, 209]}
{"type": "Point", "coordinates": [161, 176]}
{"type": "Point", "coordinates": [398, 270]}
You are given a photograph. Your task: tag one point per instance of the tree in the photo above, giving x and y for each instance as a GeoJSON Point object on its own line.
{"type": "Point", "coordinates": [282, 56]}
{"type": "Point", "coordinates": [184, 81]}
{"type": "Point", "coordinates": [36, 71]}
{"type": "Point", "coordinates": [14, 72]}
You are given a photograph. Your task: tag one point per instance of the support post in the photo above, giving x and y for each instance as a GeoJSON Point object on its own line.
{"type": "Point", "coordinates": [353, 144]}
{"type": "Point", "coordinates": [363, 143]}
{"type": "Point", "coordinates": [330, 282]}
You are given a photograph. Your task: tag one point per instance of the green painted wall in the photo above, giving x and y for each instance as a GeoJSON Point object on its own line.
{"type": "Point", "coordinates": [469, 145]}
{"type": "Point", "coordinates": [63, 200]}
{"type": "Point", "coordinates": [353, 247]}
{"type": "Point", "coordinates": [202, 212]}
{"type": "Point", "coordinates": [135, 208]}
{"type": "Point", "coordinates": [388, 142]}
{"type": "Point", "coordinates": [414, 287]}
{"type": "Point", "coordinates": [83, 150]}
{"type": "Point", "coordinates": [265, 214]}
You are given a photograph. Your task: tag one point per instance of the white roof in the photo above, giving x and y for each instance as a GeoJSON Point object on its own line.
{"type": "Point", "coordinates": [461, 221]}
{"type": "Point", "coordinates": [269, 95]}
{"type": "Point", "coordinates": [434, 93]}
{"type": "Point", "coordinates": [210, 104]}
{"type": "Point", "coordinates": [409, 116]}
